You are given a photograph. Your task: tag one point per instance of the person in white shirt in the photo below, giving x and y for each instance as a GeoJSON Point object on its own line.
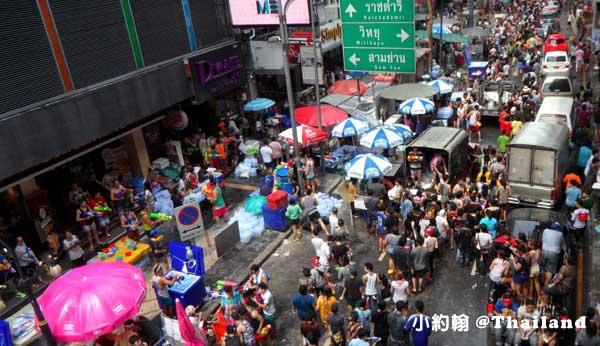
{"type": "Point", "coordinates": [441, 223]}
{"type": "Point", "coordinates": [74, 250]}
{"type": "Point", "coordinates": [588, 164]}
{"type": "Point", "coordinates": [267, 305]}
{"type": "Point", "coordinates": [333, 220]}
{"type": "Point", "coordinates": [277, 150]}
{"type": "Point", "coordinates": [483, 244]}
{"type": "Point", "coordinates": [267, 156]}
{"type": "Point", "coordinates": [579, 220]}
{"type": "Point", "coordinates": [232, 127]}
{"type": "Point", "coordinates": [316, 242]}
{"type": "Point", "coordinates": [324, 254]}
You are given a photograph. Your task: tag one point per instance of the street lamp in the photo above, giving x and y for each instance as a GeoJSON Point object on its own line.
{"type": "Point", "coordinates": [288, 83]}
{"type": "Point", "coordinates": [25, 284]}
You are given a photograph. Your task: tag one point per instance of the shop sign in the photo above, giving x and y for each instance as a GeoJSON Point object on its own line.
{"type": "Point", "coordinates": [331, 35]}
{"type": "Point", "coordinates": [308, 61]}
{"type": "Point", "coordinates": [220, 75]}
{"type": "Point", "coordinates": [266, 12]}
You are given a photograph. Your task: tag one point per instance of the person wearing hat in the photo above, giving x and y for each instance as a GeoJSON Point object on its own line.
{"type": "Point", "coordinates": [552, 243]}
{"type": "Point", "coordinates": [161, 283]}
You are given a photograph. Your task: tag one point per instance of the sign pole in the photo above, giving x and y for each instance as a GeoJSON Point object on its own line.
{"type": "Point", "coordinates": [316, 44]}
{"type": "Point", "coordinates": [288, 85]}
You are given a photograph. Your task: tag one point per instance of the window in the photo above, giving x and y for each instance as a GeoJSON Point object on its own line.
{"type": "Point", "coordinates": [560, 85]}
{"type": "Point", "coordinates": [556, 58]}
{"type": "Point", "coordinates": [543, 167]}
{"type": "Point", "coordinates": [519, 165]}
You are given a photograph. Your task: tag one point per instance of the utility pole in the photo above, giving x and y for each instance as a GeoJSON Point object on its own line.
{"type": "Point", "coordinates": [288, 84]}
{"type": "Point", "coordinates": [316, 49]}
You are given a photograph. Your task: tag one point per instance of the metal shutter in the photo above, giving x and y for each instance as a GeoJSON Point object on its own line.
{"type": "Point", "coordinates": [28, 72]}
{"type": "Point", "coordinates": [161, 29]}
{"type": "Point", "coordinates": [94, 39]}
{"type": "Point", "coordinates": [210, 20]}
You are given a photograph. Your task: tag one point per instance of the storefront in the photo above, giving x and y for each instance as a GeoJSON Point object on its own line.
{"type": "Point", "coordinates": [203, 86]}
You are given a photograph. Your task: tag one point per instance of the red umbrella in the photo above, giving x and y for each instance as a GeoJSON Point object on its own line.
{"type": "Point", "coordinates": [188, 333]}
{"type": "Point", "coordinates": [306, 135]}
{"type": "Point", "coordinates": [330, 115]}
{"type": "Point", "coordinates": [348, 87]}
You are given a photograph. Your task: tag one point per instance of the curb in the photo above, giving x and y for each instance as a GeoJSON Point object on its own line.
{"type": "Point", "coordinates": [212, 305]}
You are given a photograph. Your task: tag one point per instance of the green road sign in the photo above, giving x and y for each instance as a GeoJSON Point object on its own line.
{"type": "Point", "coordinates": [380, 60]}
{"type": "Point", "coordinates": [381, 35]}
{"type": "Point", "coordinates": [378, 35]}
{"type": "Point", "coordinates": [377, 11]}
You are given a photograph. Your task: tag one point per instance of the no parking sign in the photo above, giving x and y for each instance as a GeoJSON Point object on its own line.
{"type": "Point", "coordinates": [189, 221]}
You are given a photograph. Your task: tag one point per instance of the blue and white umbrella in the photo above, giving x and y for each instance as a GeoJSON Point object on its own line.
{"type": "Point", "coordinates": [381, 138]}
{"type": "Point", "coordinates": [416, 106]}
{"type": "Point", "coordinates": [403, 130]}
{"type": "Point", "coordinates": [445, 113]}
{"type": "Point", "coordinates": [349, 128]}
{"type": "Point", "coordinates": [259, 104]}
{"type": "Point", "coordinates": [442, 86]}
{"type": "Point", "coordinates": [368, 166]}
{"type": "Point", "coordinates": [435, 30]}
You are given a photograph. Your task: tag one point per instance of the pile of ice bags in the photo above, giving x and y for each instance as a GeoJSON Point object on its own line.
{"type": "Point", "coordinates": [326, 203]}
{"type": "Point", "coordinates": [164, 203]}
{"type": "Point", "coordinates": [250, 225]}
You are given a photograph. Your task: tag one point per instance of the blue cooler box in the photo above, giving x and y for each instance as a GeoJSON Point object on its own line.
{"type": "Point", "coordinates": [190, 290]}
{"type": "Point", "coordinates": [275, 219]}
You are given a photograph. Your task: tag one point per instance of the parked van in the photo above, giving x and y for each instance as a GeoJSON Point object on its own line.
{"type": "Point", "coordinates": [451, 142]}
{"type": "Point", "coordinates": [538, 159]}
{"type": "Point", "coordinates": [557, 110]}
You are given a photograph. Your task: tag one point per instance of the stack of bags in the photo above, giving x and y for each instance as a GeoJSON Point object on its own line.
{"type": "Point", "coordinates": [327, 203]}
{"type": "Point", "coordinates": [249, 224]}
{"type": "Point", "coordinates": [164, 203]}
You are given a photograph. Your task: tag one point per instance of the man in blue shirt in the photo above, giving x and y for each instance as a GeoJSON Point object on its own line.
{"type": "Point", "coordinates": [420, 325]}
{"type": "Point", "coordinates": [490, 222]}
{"type": "Point", "coordinates": [302, 302]}
{"type": "Point", "coordinates": [505, 308]}
{"type": "Point", "coordinates": [582, 159]}
{"type": "Point", "coordinates": [406, 207]}
{"type": "Point", "coordinates": [572, 194]}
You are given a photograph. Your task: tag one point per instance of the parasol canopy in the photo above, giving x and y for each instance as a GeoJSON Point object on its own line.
{"type": "Point", "coordinates": [442, 86]}
{"type": "Point", "coordinates": [306, 135]}
{"type": "Point", "coordinates": [368, 166]}
{"type": "Point", "coordinates": [330, 115]}
{"type": "Point", "coordinates": [259, 104]}
{"type": "Point", "coordinates": [350, 127]}
{"type": "Point", "coordinates": [93, 300]}
{"type": "Point", "coordinates": [348, 87]}
{"type": "Point", "coordinates": [416, 106]}
{"type": "Point", "coordinates": [381, 138]}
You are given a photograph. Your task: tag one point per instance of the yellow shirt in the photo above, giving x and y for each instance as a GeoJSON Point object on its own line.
{"type": "Point", "coordinates": [516, 126]}
{"type": "Point", "coordinates": [324, 305]}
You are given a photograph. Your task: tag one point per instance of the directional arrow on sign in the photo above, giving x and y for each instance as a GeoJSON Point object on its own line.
{"type": "Point", "coordinates": [354, 59]}
{"type": "Point", "coordinates": [403, 35]}
{"type": "Point", "coordinates": [350, 10]}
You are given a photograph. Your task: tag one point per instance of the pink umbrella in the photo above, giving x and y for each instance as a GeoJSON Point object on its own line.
{"type": "Point", "coordinates": [188, 333]}
{"type": "Point", "coordinates": [93, 300]}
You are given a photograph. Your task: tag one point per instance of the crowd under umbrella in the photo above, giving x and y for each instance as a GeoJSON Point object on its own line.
{"type": "Point", "coordinates": [442, 86]}
{"type": "Point", "coordinates": [407, 91]}
{"type": "Point", "coordinates": [306, 135]}
{"type": "Point", "coordinates": [416, 106]}
{"type": "Point", "coordinates": [349, 128]}
{"type": "Point", "coordinates": [330, 115]}
{"type": "Point", "coordinates": [368, 166]}
{"type": "Point", "coordinates": [381, 138]}
{"type": "Point", "coordinates": [437, 28]}
{"type": "Point", "coordinates": [259, 104]}
{"type": "Point", "coordinates": [93, 300]}
{"type": "Point", "coordinates": [348, 87]}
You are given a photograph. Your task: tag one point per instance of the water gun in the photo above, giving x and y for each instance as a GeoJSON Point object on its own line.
{"type": "Point", "coordinates": [90, 214]}
{"type": "Point", "coordinates": [265, 330]}
{"type": "Point", "coordinates": [176, 278]}
{"type": "Point", "coordinates": [223, 283]}
{"type": "Point", "coordinates": [160, 216]}
{"type": "Point", "coordinates": [102, 208]}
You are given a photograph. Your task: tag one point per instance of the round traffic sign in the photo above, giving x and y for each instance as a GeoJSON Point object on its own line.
{"type": "Point", "coordinates": [188, 216]}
